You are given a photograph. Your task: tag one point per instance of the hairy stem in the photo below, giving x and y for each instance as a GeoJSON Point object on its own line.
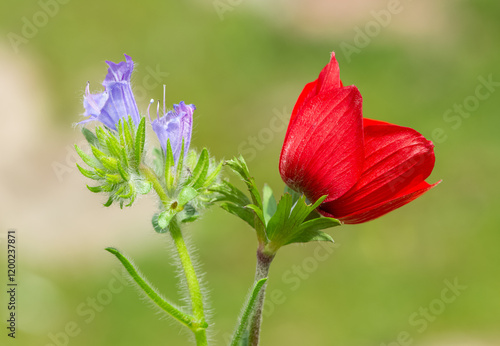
{"type": "Point", "coordinates": [192, 282]}
{"type": "Point", "coordinates": [262, 270]}
{"type": "Point", "coordinates": [153, 179]}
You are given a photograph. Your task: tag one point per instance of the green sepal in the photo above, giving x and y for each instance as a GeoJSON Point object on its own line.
{"type": "Point", "coordinates": [114, 178]}
{"type": "Point", "coordinates": [90, 136]}
{"type": "Point", "coordinates": [109, 202]}
{"type": "Point", "coordinates": [200, 171]}
{"type": "Point", "coordinates": [95, 189]}
{"type": "Point", "coordinates": [140, 139]}
{"type": "Point", "coordinates": [113, 146]}
{"type": "Point", "coordinates": [101, 137]}
{"type": "Point", "coordinates": [269, 204]}
{"type": "Point", "coordinates": [108, 162]}
{"type": "Point", "coordinates": [180, 164]}
{"type": "Point", "coordinates": [129, 194]}
{"type": "Point", "coordinates": [90, 161]}
{"type": "Point", "coordinates": [169, 166]}
{"type": "Point", "coordinates": [87, 173]}
{"type": "Point", "coordinates": [124, 174]}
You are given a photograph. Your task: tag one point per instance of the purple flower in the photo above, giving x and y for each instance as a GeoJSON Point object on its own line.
{"type": "Point", "coordinates": [117, 101]}
{"type": "Point", "coordinates": [175, 126]}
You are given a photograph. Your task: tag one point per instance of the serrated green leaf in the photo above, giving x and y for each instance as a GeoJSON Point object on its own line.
{"type": "Point", "coordinates": [269, 204]}
{"type": "Point", "coordinates": [229, 192]}
{"type": "Point", "coordinates": [258, 212]}
{"type": "Point", "coordinates": [90, 161]}
{"type": "Point", "coordinates": [239, 166]}
{"type": "Point", "coordinates": [140, 139]}
{"type": "Point", "coordinates": [200, 171]}
{"type": "Point", "coordinates": [245, 214]}
{"type": "Point", "coordinates": [169, 166]}
{"type": "Point", "coordinates": [311, 230]}
{"type": "Point", "coordinates": [186, 195]}
{"type": "Point", "coordinates": [90, 136]}
{"type": "Point", "coordinates": [310, 236]}
{"type": "Point", "coordinates": [295, 195]}
{"type": "Point", "coordinates": [87, 173]}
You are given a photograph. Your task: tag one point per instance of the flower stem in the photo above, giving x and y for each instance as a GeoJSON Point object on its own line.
{"type": "Point", "coordinates": [153, 179]}
{"type": "Point", "coordinates": [262, 270]}
{"type": "Point", "coordinates": [199, 324]}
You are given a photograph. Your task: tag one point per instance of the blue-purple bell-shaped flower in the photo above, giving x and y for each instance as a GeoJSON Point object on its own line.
{"type": "Point", "coordinates": [175, 125]}
{"type": "Point", "coordinates": [117, 101]}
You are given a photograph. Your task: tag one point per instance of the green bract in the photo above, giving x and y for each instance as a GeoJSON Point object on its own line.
{"type": "Point", "coordinates": [115, 161]}
{"type": "Point", "coordinates": [292, 220]}
{"type": "Point", "coordinates": [186, 185]}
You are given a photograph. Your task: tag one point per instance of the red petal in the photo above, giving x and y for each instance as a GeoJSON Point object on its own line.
{"type": "Point", "coordinates": [376, 211]}
{"type": "Point", "coordinates": [397, 159]}
{"type": "Point", "coordinates": [329, 78]}
{"type": "Point", "coordinates": [308, 92]}
{"type": "Point", "coordinates": [323, 149]}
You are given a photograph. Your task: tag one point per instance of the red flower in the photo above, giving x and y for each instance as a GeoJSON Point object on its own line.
{"type": "Point", "coordinates": [366, 167]}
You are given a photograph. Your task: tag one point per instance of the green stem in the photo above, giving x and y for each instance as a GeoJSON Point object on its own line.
{"type": "Point", "coordinates": [262, 271]}
{"type": "Point", "coordinates": [199, 324]}
{"type": "Point", "coordinates": [146, 287]}
{"type": "Point", "coordinates": [153, 179]}
{"type": "Point", "coordinates": [247, 311]}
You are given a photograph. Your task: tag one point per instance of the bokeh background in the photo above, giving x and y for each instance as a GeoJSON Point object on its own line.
{"type": "Point", "coordinates": [243, 64]}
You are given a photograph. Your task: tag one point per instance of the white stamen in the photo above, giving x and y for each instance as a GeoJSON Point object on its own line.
{"type": "Point", "coordinates": [149, 106]}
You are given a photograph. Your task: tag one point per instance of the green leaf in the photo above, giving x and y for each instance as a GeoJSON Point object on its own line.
{"type": "Point", "coordinates": [158, 158]}
{"type": "Point", "coordinates": [258, 212]}
{"type": "Point", "coordinates": [156, 224]}
{"type": "Point", "coordinates": [311, 231]}
{"type": "Point", "coordinates": [239, 166]}
{"type": "Point", "coordinates": [228, 192]}
{"type": "Point", "coordinates": [124, 174]}
{"type": "Point", "coordinates": [165, 305]}
{"type": "Point", "coordinates": [127, 130]}
{"type": "Point", "coordinates": [269, 204]}
{"type": "Point", "coordinates": [89, 136]}
{"type": "Point", "coordinates": [143, 186]}
{"type": "Point", "coordinates": [248, 312]}
{"type": "Point", "coordinates": [211, 178]}
{"type": "Point", "coordinates": [140, 139]}
{"type": "Point", "coordinates": [295, 195]}
{"type": "Point", "coordinates": [186, 195]}
{"type": "Point", "coordinates": [169, 166]}
{"type": "Point", "coordinates": [200, 171]}
{"type": "Point", "coordinates": [165, 217]}
{"type": "Point", "coordinates": [101, 137]}
{"type": "Point", "coordinates": [114, 178]}
{"type": "Point", "coordinates": [245, 214]}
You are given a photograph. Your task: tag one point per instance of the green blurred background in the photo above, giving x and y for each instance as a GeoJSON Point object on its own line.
{"type": "Point", "coordinates": [243, 64]}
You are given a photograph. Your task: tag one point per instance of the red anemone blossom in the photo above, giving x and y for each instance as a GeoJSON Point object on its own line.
{"type": "Point", "coordinates": [366, 167]}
